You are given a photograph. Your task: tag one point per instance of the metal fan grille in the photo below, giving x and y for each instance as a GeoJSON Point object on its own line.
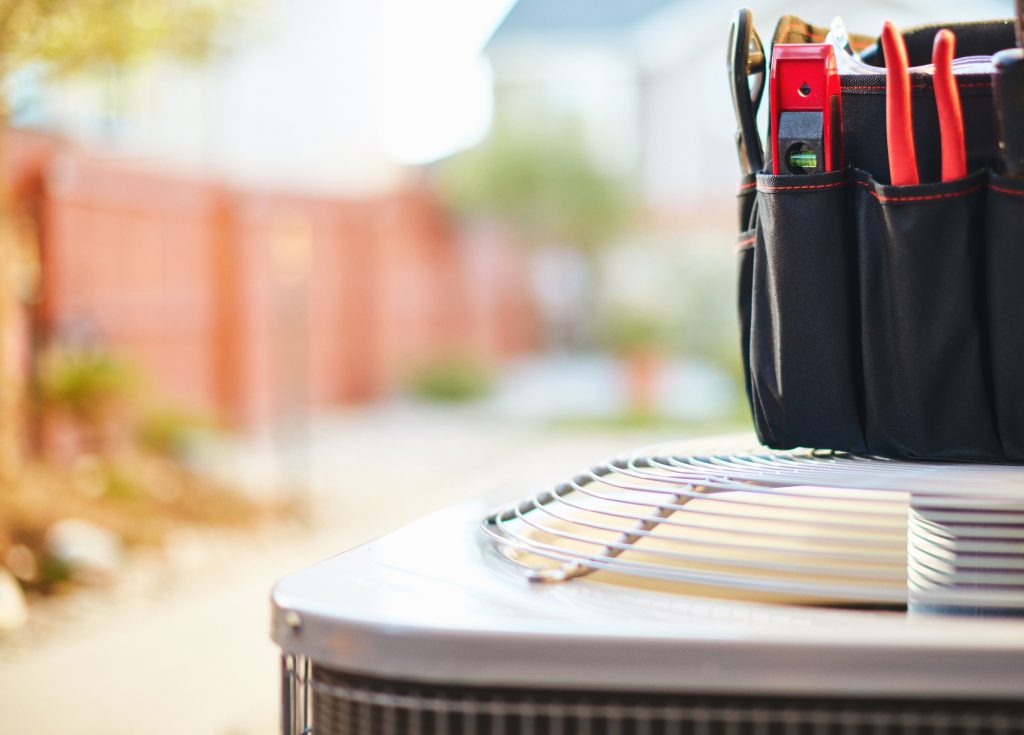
{"type": "Point", "coordinates": [797, 526]}
{"type": "Point", "coordinates": [344, 704]}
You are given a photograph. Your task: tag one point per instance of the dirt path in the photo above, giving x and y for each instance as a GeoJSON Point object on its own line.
{"type": "Point", "coordinates": [191, 653]}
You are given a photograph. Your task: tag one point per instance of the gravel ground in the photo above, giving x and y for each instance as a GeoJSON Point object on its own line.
{"type": "Point", "coordinates": [181, 645]}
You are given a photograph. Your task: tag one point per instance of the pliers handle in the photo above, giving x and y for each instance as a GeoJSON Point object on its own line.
{"type": "Point", "coordinates": [899, 125]}
{"type": "Point", "coordinates": [947, 100]}
{"type": "Point", "coordinates": [899, 128]}
{"type": "Point", "coordinates": [746, 62]}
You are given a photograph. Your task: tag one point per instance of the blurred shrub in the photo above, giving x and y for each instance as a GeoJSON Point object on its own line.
{"type": "Point", "coordinates": [85, 382]}
{"type": "Point", "coordinates": [175, 432]}
{"type": "Point", "coordinates": [53, 572]}
{"type": "Point", "coordinates": [541, 183]}
{"type": "Point", "coordinates": [452, 379]}
{"type": "Point", "coordinates": [632, 331]}
{"type": "Point", "coordinates": [121, 483]}
{"type": "Point", "coordinates": [142, 499]}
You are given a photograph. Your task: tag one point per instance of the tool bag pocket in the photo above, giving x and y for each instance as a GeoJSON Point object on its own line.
{"type": "Point", "coordinates": [920, 262]}
{"type": "Point", "coordinates": [1004, 266]}
{"type": "Point", "coordinates": [804, 356]}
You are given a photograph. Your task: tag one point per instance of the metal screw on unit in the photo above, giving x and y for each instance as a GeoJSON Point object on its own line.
{"type": "Point", "coordinates": [293, 621]}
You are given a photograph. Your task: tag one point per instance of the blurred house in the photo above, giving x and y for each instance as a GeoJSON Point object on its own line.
{"type": "Point", "coordinates": [238, 230]}
{"type": "Point", "coordinates": [251, 303]}
{"type": "Point", "coordinates": [646, 82]}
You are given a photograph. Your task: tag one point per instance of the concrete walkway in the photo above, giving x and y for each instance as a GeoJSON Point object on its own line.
{"type": "Point", "coordinates": [191, 653]}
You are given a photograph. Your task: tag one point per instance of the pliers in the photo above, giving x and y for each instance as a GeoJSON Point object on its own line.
{"type": "Point", "coordinates": [746, 64]}
{"type": "Point", "coordinates": [899, 129]}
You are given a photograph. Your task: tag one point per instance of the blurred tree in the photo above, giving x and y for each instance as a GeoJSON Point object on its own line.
{"type": "Point", "coordinates": [543, 184]}
{"type": "Point", "coordinates": [67, 36]}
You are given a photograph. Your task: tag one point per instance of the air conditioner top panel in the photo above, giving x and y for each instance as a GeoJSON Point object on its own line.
{"type": "Point", "coordinates": [437, 602]}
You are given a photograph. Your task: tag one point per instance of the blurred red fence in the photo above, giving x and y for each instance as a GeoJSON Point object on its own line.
{"type": "Point", "coordinates": [252, 304]}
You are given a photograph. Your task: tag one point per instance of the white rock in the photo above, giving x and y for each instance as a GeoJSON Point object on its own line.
{"type": "Point", "coordinates": [13, 611]}
{"type": "Point", "coordinates": [88, 549]}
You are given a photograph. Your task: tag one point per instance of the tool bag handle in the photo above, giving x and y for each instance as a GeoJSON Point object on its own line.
{"type": "Point", "coordinates": [973, 38]}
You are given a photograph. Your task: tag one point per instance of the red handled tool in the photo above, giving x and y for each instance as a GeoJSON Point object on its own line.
{"type": "Point", "coordinates": [899, 127]}
{"type": "Point", "coordinates": [947, 100]}
{"type": "Point", "coordinates": [899, 121]}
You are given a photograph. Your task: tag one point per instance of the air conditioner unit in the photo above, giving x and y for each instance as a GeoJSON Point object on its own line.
{"type": "Point", "coordinates": [679, 589]}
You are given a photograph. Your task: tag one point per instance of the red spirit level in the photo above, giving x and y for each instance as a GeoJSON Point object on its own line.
{"type": "Point", "coordinates": [804, 94]}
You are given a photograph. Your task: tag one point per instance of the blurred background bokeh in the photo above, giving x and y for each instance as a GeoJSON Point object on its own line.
{"type": "Point", "coordinates": [277, 276]}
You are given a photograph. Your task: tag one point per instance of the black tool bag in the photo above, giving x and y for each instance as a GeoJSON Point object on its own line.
{"type": "Point", "coordinates": [886, 319]}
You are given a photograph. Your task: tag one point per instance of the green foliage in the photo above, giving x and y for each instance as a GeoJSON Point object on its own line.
{"type": "Point", "coordinates": [452, 379]}
{"type": "Point", "coordinates": [542, 184]}
{"type": "Point", "coordinates": [175, 432]}
{"type": "Point", "coordinates": [53, 571]}
{"type": "Point", "coordinates": [71, 34]}
{"type": "Point", "coordinates": [121, 483]}
{"type": "Point", "coordinates": [85, 383]}
{"type": "Point", "coordinates": [629, 331]}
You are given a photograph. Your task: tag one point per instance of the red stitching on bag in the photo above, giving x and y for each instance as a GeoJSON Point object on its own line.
{"type": "Point", "coordinates": [853, 87]}
{"type": "Point", "coordinates": [802, 186]}
{"type": "Point", "coordinates": [918, 87]}
{"type": "Point", "coordinates": [1002, 190]}
{"type": "Point", "coordinates": [747, 241]}
{"type": "Point", "coordinates": [922, 198]}
{"type": "Point", "coordinates": [748, 185]}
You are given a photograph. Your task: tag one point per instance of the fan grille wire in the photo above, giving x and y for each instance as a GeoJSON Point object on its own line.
{"type": "Point", "coordinates": [805, 525]}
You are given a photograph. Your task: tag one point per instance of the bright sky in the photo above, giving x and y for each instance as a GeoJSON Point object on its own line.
{"type": "Point", "coordinates": [433, 87]}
